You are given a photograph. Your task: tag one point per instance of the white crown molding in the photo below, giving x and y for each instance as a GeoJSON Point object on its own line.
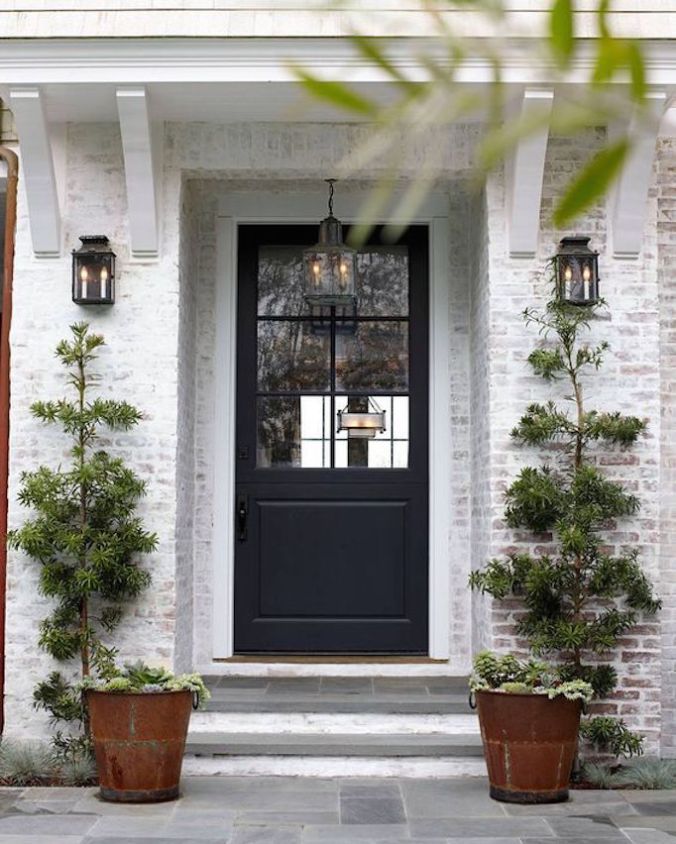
{"type": "Point", "coordinates": [145, 61]}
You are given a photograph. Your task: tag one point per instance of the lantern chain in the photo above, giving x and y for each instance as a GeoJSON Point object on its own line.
{"type": "Point", "coordinates": [330, 183]}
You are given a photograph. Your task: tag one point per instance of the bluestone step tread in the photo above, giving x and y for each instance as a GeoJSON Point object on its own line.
{"type": "Point", "coordinates": [331, 744]}
{"type": "Point", "coordinates": [378, 695]}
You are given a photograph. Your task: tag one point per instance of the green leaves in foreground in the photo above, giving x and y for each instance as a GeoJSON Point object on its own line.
{"type": "Point", "coordinates": [592, 182]}
{"type": "Point", "coordinates": [614, 87]}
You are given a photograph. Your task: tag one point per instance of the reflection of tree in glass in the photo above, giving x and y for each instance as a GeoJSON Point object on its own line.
{"type": "Point", "coordinates": [280, 281]}
{"type": "Point", "coordinates": [291, 357]}
{"type": "Point", "coordinates": [382, 281]}
{"type": "Point", "coordinates": [279, 432]}
{"type": "Point", "coordinates": [376, 357]}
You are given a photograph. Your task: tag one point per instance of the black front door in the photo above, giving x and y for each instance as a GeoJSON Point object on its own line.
{"type": "Point", "coordinates": [331, 531]}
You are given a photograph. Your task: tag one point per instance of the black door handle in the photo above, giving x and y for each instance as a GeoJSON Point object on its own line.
{"type": "Point", "coordinates": [242, 516]}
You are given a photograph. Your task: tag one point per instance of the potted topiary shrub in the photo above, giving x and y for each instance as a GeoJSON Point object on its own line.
{"type": "Point", "coordinates": [139, 722]}
{"type": "Point", "coordinates": [87, 538]}
{"type": "Point", "coordinates": [529, 718]}
{"type": "Point", "coordinates": [579, 594]}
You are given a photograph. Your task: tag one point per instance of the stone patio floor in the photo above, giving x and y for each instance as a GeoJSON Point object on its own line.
{"type": "Point", "coordinates": [285, 810]}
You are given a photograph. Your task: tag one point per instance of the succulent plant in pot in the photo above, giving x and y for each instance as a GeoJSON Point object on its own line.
{"type": "Point", "coordinates": [530, 718]}
{"type": "Point", "coordinates": [139, 720]}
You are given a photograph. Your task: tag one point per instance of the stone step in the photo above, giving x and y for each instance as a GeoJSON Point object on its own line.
{"type": "Point", "coordinates": [425, 767]}
{"type": "Point", "coordinates": [357, 695]}
{"type": "Point", "coordinates": [340, 745]}
{"type": "Point", "coordinates": [345, 723]}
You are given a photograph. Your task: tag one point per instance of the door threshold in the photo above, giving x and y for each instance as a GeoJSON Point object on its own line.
{"type": "Point", "coordinates": [334, 659]}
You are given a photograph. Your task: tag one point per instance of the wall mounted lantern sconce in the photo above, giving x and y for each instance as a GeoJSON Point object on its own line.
{"type": "Point", "coordinates": [330, 266]}
{"type": "Point", "coordinates": [94, 272]}
{"type": "Point", "coordinates": [362, 424]}
{"type": "Point", "coordinates": [577, 272]}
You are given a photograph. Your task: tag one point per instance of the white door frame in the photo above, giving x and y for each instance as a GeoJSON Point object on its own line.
{"type": "Point", "coordinates": [290, 207]}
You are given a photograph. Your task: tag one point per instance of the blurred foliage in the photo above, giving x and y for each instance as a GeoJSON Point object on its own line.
{"type": "Point", "coordinates": [442, 98]}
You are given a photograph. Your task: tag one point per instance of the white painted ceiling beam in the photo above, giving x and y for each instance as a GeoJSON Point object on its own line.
{"type": "Point", "coordinates": [140, 171]}
{"type": "Point", "coordinates": [628, 201]}
{"type": "Point", "coordinates": [525, 173]}
{"type": "Point", "coordinates": [37, 165]}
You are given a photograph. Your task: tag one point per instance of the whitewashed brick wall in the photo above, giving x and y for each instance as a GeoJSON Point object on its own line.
{"type": "Point", "coordinates": [629, 382]}
{"type": "Point", "coordinates": [161, 338]}
{"type": "Point", "coordinates": [666, 239]}
{"type": "Point", "coordinates": [138, 364]}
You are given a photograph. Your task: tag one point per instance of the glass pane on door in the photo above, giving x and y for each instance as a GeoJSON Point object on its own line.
{"type": "Point", "coordinates": [313, 364]}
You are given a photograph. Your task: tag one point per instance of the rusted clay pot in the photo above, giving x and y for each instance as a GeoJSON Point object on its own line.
{"type": "Point", "coordinates": [530, 744]}
{"type": "Point", "coordinates": [139, 740]}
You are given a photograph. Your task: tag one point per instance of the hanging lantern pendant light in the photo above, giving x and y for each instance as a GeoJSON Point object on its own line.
{"type": "Point", "coordinates": [362, 424]}
{"type": "Point", "coordinates": [330, 266]}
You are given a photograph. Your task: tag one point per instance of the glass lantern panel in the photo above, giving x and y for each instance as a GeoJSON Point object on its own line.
{"type": "Point", "coordinates": [330, 275]}
{"type": "Point", "coordinates": [93, 277]}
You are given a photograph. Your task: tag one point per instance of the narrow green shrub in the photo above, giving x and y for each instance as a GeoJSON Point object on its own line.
{"type": "Point", "coordinates": [580, 598]}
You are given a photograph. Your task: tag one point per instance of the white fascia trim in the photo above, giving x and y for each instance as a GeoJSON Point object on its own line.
{"type": "Point", "coordinates": [155, 60]}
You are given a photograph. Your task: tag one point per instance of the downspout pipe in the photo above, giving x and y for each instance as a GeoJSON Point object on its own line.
{"type": "Point", "coordinates": [11, 160]}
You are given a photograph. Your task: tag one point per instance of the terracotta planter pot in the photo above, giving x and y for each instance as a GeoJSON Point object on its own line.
{"type": "Point", "coordinates": [139, 740]}
{"type": "Point", "coordinates": [530, 744]}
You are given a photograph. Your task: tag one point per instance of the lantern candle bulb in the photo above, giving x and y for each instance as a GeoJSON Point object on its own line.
{"type": "Point", "coordinates": [83, 279]}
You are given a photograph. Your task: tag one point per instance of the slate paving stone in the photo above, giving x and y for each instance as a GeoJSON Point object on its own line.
{"type": "Point", "coordinates": [266, 835]}
{"type": "Point", "coordinates": [599, 828]}
{"type": "Point", "coordinates": [608, 808]}
{"type": "Point", "coordinates": [153, 828]}
{"type": "Point", "coordinates": [41, 839]}
{"type": "Point", "coordinates": [480, 827]}
{"type": "Point", "coordinates": [288, 810]}
{"type": "Point", "coordinates": [346, 686]}
{"type": "Point", "coordinates": [237, 682]}
{"type": "Point", "coordinates": [353, 832]}
{"type": "Point", "coordinates": [368, 788]}
{"type": "Point", "coordinates": [449, 799]}
{"type": "Point", "coordinates": [667, 823]}
{"type": "Point", "coordinates": [632, 795]}
{"type": "Point", "coordinates": [372, 810]}
{"type": "Point", "coordinates": [301, 818]}
{"type": "Point", "coordinates": [132, 840]}
{"type": "Point", "coordinates": [575, 840]}
{"type": "Point", "coordinates": [92, 803]}
{"type": "Point", "coordinates": [69, 824]}
{"type": "Point", "coordinates": [649, 836]}
{"type": "Point", "coordinates": [293, 685]}
{"type": "Point", "coordinates": [661, 807]}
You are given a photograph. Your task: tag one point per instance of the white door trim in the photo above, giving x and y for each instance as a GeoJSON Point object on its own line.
{"type": "Point", "coordinates": [309, 207]}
